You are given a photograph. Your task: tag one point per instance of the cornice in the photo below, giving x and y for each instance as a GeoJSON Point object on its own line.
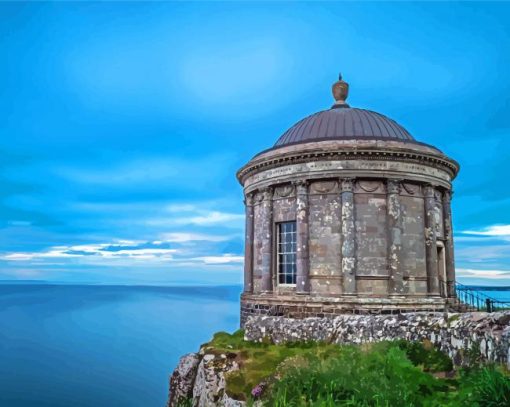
{"type": "Point", "coordinates": [257, 165]}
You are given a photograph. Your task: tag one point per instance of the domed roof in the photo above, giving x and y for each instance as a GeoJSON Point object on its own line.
{"type": "Point", "coordinates": [344, 122]}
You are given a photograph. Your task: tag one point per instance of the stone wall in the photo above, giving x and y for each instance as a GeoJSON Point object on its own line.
{"type": "Point", "coordinates": [461, 336]}
{"type": "Point", "coordinates": [325, 238]}
{"type": "Point", "coordinates": [303, 306]}
{"type": "Point", "coordinates": [371, 237]}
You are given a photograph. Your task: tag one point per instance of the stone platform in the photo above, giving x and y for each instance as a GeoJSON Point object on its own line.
{"type": "Point", "coordinates": [305, 306]}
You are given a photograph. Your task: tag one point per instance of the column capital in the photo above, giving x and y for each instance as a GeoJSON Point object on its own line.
{"type": "Point", "coordinates": [428, 190]}
{"type": "Point", "coordinates": [301, 186]}
{"type": "Point", "coordinates": [249, 199]}
{"type": "Point", "coordinates": [347, 184]}
{"type": "Point", "coordinates": [394, 185]}
{"type": "Point", "coordinates": [267, 193]}
{"type": "Point", "coordinates": [447, 195]}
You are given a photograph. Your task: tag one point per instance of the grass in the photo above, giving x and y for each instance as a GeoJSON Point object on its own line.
{"type": "Point", "coordinates": [259, 361]}
{"type": "Point", "coordinates": [396, 373]}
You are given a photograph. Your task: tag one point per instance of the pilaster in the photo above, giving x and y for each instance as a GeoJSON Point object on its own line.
{"type": "Point", "coordinates": [267, 239]}
{"type": "Point", "coordinates": [348, 236]}
{"type": "Point", "coordinates": [395, 228]}
{"type": "Point", "coordinates": [248, 244]}
{"type": "Point", "coordinates": [448, 244]}
{"type": "Point", "coordinates": [302, 238]}
{"type": "Point", "coordinates": [431, 241]}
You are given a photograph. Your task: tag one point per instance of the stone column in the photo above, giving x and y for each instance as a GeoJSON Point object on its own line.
{"type": "Point", "coordinates": [248, 244]}
{"type": "Point", "coordinates": [394, 213]}
{"type": "Point", "coordinates": [431, 241]}
{"type": "Point", "coordinates": [448, 244]}
{"type": "Point", "coordinates": [348, 237]}
{"type": "Point", "coordinates": [266, 237]}
{"type": "Point", "coordinates": [302, 255]}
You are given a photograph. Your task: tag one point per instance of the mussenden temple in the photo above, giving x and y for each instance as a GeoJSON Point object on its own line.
{"type": "Point", "coordinates": [347, 213]}
{"type": "Point", "coordinates": [348, 222]}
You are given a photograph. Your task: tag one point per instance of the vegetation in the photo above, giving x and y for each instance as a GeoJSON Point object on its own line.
{"type": "Point", "coordinates": [397, 373]}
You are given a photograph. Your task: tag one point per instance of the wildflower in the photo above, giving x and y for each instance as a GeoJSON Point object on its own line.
{"type": "Point", "coordinates": [257, 391]}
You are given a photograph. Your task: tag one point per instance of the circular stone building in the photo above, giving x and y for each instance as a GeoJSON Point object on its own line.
{"type": "Point", "coordinates": [347, 212]}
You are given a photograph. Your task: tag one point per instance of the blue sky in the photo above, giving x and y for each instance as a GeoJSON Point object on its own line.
{"type": "Point", "coordinates": [122, 124]}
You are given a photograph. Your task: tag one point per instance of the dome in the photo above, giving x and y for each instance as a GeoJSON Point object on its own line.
{"type": "Point", "coordinates": [342, 122]}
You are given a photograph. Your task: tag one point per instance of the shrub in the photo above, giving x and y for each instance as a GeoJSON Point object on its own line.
{"type": "Point", "coordinates": [484, 387]}
{"type": "Point", "coordinates": [426, 355]}
{"type": "Point", "coordinates": [356, 378]}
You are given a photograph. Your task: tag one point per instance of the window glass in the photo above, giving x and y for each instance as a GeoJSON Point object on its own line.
{"type": "Point", "coordinates": [286, 253]}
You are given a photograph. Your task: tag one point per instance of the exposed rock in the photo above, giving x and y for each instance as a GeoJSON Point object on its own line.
{"type": "Point", "coordinates": [200, 377]}
{"type": "Point", "coordinates": [183, 379]}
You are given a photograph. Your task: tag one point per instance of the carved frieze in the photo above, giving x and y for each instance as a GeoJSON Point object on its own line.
{"type": "Point", "coordinates": [409, 188]}
{"type": "Point", "coordinates": [439, 162]}
{"type": "Point", "coordinates": [370, 186]}
{"type": "Point", "coordinates": [284, 191]}
{"type": "Point", "coordinates": [330, 169]}
{"type": "Point", "coordinates": [324, 187]}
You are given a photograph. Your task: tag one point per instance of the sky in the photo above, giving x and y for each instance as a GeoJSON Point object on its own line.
{"type": "Point", "coordinates": [123, 124]}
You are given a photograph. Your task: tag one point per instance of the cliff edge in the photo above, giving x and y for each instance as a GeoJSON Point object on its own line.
{"type": "Point", "coordinates": [254, 364]}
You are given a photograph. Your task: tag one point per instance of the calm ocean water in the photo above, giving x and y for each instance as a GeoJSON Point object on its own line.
{"type": "Point", "coordinates": [499, 295]}
{"type": "Point", "coordinates": [64, 345]}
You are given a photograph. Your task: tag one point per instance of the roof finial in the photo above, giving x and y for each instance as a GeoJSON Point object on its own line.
{"type": "Point", "coordinates": [340, 92]}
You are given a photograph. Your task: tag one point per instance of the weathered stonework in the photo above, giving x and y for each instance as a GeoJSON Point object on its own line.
{"type": "Point", "coordinates": [458, 335]}
{"type": "Point", "coordinates": [372, 215]}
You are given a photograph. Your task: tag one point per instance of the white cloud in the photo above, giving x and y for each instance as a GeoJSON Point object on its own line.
{"type": "Point", "coordinates": [24, 256]}
{"type": "Point", "coordinates": [212, 218]}
{"type": "Point", "coordinates": [92, 252]}
{"type": "Point", "coordinates": [223, 259]}
{"type": "Point", "coordinates": [183, 237]}
{"type": "Point", "coordinates": [489, 274]}
{"type": "Point", "coordinates": [128, 253]}
{"type": "Point", "coordinates": [494, 231]}
{"type": "Point", "coordinates": [200, 217]}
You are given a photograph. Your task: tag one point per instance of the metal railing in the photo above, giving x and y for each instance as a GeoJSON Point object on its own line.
{"type": "Point", "coordinates": [472, 298]}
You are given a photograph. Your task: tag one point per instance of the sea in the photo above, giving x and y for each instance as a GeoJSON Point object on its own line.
{"type": "Point", "coordinates": [90, 345]}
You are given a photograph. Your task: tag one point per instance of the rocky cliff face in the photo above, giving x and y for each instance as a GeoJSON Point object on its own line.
{"type": "Point", "coordinates": [199, 378]}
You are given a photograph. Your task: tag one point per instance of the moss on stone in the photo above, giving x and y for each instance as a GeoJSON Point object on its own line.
{"type": "Point", "coordinates": [453, 318]}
